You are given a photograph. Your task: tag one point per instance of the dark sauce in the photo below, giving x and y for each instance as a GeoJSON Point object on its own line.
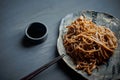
{"type": "Point", "coordinates": [36, 30]}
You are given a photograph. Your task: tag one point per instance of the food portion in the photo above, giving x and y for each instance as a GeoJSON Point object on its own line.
{"type": "Point", "coordinates": [88, 44]}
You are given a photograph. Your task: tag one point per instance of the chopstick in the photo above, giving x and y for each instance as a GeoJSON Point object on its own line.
{"type": "Point", "coordinates": [42, 68]}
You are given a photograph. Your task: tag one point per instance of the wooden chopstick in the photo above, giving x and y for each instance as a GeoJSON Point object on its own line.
{"type": "Point", "coordinates": [42, 68]}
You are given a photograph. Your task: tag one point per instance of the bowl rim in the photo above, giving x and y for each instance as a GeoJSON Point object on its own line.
{"type": "Point", "coordinates": [39, 38]}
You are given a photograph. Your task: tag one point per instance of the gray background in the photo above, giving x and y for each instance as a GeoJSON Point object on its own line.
{"type": "Point", "coordinates": [17, 60]}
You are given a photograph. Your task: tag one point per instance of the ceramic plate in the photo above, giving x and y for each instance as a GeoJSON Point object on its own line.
{"type": "Point", "coordinates": [109, 71]}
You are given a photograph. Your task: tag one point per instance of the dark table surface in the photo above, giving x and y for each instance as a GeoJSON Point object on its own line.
{"type": "Point", "coordinates": [16, 59]}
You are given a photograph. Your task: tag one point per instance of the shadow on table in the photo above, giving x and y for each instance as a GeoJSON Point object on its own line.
{"type": "Point", "coordinates": [27, 43]}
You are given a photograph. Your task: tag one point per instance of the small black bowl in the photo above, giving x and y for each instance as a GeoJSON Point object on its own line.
{"type": "Point", "coordinates": [36, 33]}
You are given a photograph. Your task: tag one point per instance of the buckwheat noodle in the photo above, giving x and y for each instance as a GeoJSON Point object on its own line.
{"type": "Point", "coordinates": [88, 44]}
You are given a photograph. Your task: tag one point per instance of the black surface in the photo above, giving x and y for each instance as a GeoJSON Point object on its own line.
{"type": "Point", "coordinates": [17, 60]}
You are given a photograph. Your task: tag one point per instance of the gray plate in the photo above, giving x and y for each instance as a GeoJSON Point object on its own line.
{"type": "Point", "coordinates": [111, 70]}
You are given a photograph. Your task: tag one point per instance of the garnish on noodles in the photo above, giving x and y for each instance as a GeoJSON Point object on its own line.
{"type": "Point", "coordinates": [88, 44]}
